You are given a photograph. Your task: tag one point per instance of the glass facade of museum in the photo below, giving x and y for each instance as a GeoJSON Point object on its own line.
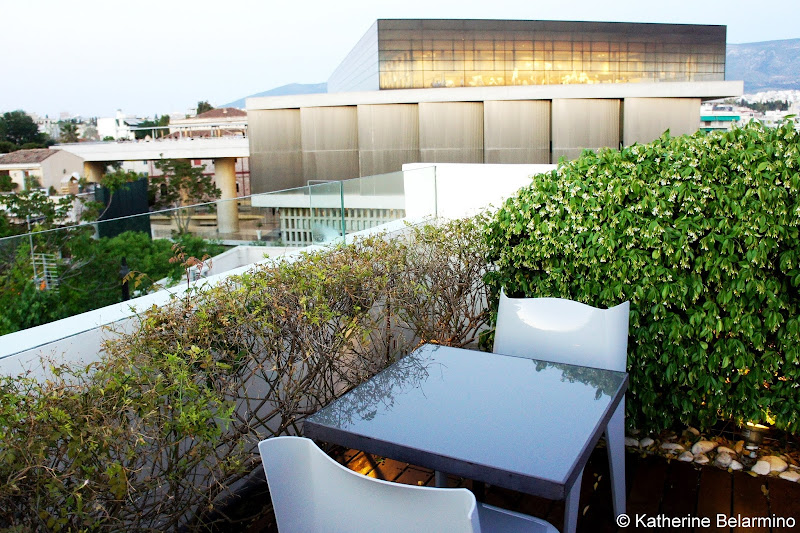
{"type": "Point", "coordinates": [464, 53]}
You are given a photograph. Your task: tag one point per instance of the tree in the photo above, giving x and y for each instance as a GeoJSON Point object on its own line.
{"type": "Point", "coordinates": [88, 276]}
{"type": "Point", "coordinates": [31, 146]}
{"type": "Point", "coordinates": [204, 106]}
{"type": "Point", "coordinates": [761, 107]}
{"type": "Point", "coordinates": [6, 183]}
{"type": "Point", "coordinates": [90, 133]}
{"type": "Point", "coordinates": [156, 123]}
{"type": "Point", "coordinates": [19, 128]}
{"type": "Point", "coordinates": [69, 132]}
{"type": "Point", "coordinates": [6, 229]}
{"type": "Point", "coordinates": [181, 184]}
{"type": "Point", "coordinates": [113, 181]}
{"type": "Point", "coordinates": [33, 205]}
{"type": "Point", "coordinates": [141, 132]}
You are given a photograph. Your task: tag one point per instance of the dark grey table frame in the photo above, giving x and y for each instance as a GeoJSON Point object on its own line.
{"type": "Point", "coordinates": [439, 460]}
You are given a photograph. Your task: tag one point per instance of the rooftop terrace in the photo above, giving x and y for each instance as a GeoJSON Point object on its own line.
{"type": "Point", "coordinates": [252, 355]}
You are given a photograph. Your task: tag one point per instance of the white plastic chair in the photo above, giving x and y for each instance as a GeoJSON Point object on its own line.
{"type": "Point", "coordinates": [565, 331]}
{"type": "Point", "coordinates": [313, 493]}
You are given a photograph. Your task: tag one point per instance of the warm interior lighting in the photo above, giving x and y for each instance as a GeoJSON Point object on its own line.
{"type": "Point", "coordinates": [500, 60]}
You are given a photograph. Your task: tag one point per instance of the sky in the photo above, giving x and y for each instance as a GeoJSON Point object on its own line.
{"type": "Point", "coordinates": [154, 57]}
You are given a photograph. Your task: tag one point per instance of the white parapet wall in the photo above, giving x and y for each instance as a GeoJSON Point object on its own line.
{"type": "Point", "coordinates": [242, 256]}
{"type": "Point", "coordinates": [463, 189]}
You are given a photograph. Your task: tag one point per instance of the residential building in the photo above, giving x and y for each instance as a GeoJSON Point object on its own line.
{"type": "Point", "coordinates": [58, 169]}
{"type": "Point", "coordinates": [716, 117]}
{"type": "Point", "coordinates": [117, 127]}
{"type": "Point", "coordinates": [773, 118]}
{"type": "Point", "coordinates": [223, 122]}
{"type": "Point", "coordinates": [47, 125]}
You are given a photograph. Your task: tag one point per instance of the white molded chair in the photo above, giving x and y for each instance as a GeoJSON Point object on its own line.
{"type": "Point", "coordinates": [565, 331]}
{"type": "Point", "coordinates": [313, 493]}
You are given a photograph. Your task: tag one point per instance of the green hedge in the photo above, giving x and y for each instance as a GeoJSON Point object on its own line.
{"type": "Point", "coordinates": [700, 233]}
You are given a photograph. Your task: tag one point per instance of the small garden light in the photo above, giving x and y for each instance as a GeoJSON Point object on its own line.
{"type": "Point", "coordinates": [754, 433]}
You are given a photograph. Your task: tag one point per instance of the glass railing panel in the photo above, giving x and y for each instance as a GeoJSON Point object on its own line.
{"type": "Point", "coordinates": [289, 214]}
{"type": "Point", "coordinates": [311, 214]}
{"type": "Point", "coordinates": [373, 200]}
{"type": "Point", "coordinates": [233, 222]}
{"type": "Point", "coordinates": [327, 215]}
{"type": "Point", "coordinates": [257, 224]}
{"type": "Point", "coordinates": [318, 213]}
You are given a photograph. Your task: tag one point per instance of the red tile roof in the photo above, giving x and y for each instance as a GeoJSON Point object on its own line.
{"type": "Point", "coordinates": [223, 112]}
{"type": "Point", "coordinates": [23, 157]}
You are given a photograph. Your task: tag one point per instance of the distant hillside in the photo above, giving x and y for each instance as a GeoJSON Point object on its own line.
{"type": "Point", "coordinates": [766, 66]}
{"type": "Point", "coordinates": [292, 88]}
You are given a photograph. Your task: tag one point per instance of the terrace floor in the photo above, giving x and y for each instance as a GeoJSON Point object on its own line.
{"type": "Point", "coordinates": [655, 486]}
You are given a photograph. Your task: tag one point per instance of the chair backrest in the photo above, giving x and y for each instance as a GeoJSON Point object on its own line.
{"type": "Point", "coordinates": [563, 331]}
{"type": "Point", "coordinates": [312, 492]}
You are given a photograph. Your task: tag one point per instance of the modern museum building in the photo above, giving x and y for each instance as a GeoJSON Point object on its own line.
{"type": "Point", "coordinates": [488, 91]}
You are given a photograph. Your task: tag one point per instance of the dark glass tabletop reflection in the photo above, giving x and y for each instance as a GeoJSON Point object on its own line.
{"type": "Point", "coordinates": [512, 414]}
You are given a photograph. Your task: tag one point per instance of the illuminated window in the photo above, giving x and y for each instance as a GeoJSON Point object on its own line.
{"type": "Point", "coordinates": [479, 54]}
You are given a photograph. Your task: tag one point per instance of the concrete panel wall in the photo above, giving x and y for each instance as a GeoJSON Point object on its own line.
{"type": "Point", "coordinates": [330, 142]}
{"type": "Point", "coordinates": [326, 138]}
{"type": "Point", "coordinates": [584, 123]}
{"type": "Point", "coordinates": [645, 119]}
{"type": "Point", "coordinates": [276, 158]}
{"type": "Point", "coordinates": [516, 131]}
{"type": "Point", "coordinates": [388, 136]}
{"type": "Point", "coordinates": [451, 132]}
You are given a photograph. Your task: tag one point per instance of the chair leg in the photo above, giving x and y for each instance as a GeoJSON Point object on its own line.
{"type": "Point", "coordinates": [615, 445]}
{"type": "Point", "coordinates": [572, 505]}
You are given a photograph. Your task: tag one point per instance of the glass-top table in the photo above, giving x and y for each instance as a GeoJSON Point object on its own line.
{"type": "Point", "coordinates": [518, 423]}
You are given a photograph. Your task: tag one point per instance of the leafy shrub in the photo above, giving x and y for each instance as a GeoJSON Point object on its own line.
{"type": "Point", "coordinates": [121, 445]}
{"type": "Point", "coordinates": [700, 233]}
{"type": "Point", "coordinates": [154, 435]}
{"type": "Point", "coordinates": [298, 333]}
{"type": "Point", "coordinates": [440, 292]}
